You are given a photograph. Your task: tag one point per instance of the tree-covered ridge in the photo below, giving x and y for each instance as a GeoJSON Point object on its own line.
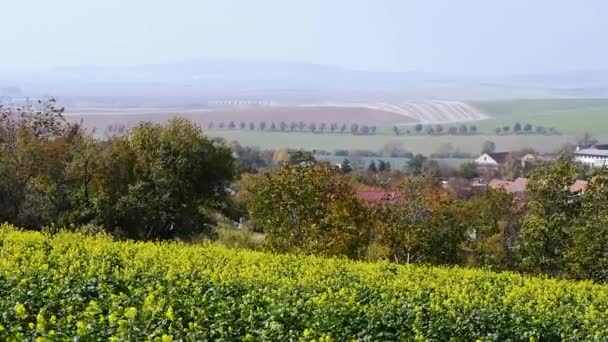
{"type": "Point", "coordinates": [69, 284]}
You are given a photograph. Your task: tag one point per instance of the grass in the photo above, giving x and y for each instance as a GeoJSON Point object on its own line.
{"type": "Point", "coordinates": [417, 144]}
{"type": "Point", "coordinates": [571, 117]}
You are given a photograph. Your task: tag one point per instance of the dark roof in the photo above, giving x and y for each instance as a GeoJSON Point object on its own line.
{"type": "Point", "coordinates": [600, 146]}
{"type": "Point", "coordinates": [500, 157]}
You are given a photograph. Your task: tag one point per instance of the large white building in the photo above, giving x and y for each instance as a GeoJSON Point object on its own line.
{"type": "Point", "coordinates": [594, 156]}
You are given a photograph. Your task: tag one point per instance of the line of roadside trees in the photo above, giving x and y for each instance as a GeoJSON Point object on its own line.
{"type": "Point", "coordinates": [527, 128]}
{"type": "Point", "coordinates": [297, 126]}
{"type": "Point", "coordinates": [438, 129]}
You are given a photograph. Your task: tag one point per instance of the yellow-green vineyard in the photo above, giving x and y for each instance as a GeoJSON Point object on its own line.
{"type": "Point", "coordinates": [58, 286]}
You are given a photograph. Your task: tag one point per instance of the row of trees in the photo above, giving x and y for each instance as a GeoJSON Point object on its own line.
{"type": "Point", "coordinates": [299, 126]}
{"type": "Point", "coordinates": [527, 128]}
{"type": "Point", "coordinates": [437, 130]}
{"type": "Point", "coordinates": [313, 208]}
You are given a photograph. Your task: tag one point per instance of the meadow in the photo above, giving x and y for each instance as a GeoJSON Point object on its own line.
{"type": "Point", "coordinates": [424, 144]}
{"type": "Point", "coordinates": [70, 286]}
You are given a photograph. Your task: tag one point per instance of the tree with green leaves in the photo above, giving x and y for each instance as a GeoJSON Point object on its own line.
{"type": "Point", "coordinates": [586, 140]}
{"type": "Point", "coordinates": [322, 127]}
{"type": "Point", "coordinates": [421, 226]}
{"type": "Point", "coordinates": [551, 212]}
{"type": "Point", "coordinates": [307, 209]}
{"type": "Point", "coordinates": [488, 147]}
{"type": "Point", "coordinates": [302, 158]}
{"type": "Point", "coordinates": [162, 181]}
{"type": "Point", "coordinates": [420, 164]}
{"type": "Point", "coordinates": [283, 126]}
{"type": "Point", "coordinates": [418, 128]}
{"type": "Point", "coordinates": [587, 255]}
{"type": "Point", "coordinates": [517, 127]}
{"type": "Point", "coordinates": [333, 127]}
{"type": "Point", "coordinates": [35, 144]}
{"type": "Point", "coordinates": [312, 127]}
{"type": "Point", "coordinates": [345, 166]}
{"type": "Point", "coordinates": [487, 217]}
{"type": "Point", "coordinates": [372, 167]}
{"type": "Point", "coordinates": [469, 170]}
{"type": "Point", "coordinates": [396, 130]}
{"type": "Point", "coordinates": [527, 128]}
{"type": "Point", "coordinates": [463, 129]}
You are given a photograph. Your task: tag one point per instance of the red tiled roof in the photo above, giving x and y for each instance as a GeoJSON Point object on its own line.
{"type": "Point", "coordinates": [579, 186]}
{"type": "Point", "coordinates": [376, 196]}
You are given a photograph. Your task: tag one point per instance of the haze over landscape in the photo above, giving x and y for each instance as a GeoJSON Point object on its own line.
{"type": "Point", "coordinates": [304, 170]}
{"type": "Point", "coordinates": [375, 63]}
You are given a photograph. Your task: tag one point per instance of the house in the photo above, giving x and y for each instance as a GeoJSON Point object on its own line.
{"type": "Point", "coordinates": [520, 185]}
{"type": "Point", "coordinates": [517, 186]}
{"type": "Point", "coordinates": [594, 156]}
{"type": "Point", "coordinates": [494, 159]}
{"type": "Point", "coordinates": [532, 158]}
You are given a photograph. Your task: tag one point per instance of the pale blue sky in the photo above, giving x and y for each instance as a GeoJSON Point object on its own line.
{"type": "Point", "coordinates": [463, 37]}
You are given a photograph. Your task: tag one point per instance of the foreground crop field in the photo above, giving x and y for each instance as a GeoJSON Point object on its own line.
{"type": "Point", "coordinates": [66, 285]}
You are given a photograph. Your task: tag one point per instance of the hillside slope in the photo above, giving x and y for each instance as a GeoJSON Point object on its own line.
{"type": "Point", "coordinates": [68, 284]}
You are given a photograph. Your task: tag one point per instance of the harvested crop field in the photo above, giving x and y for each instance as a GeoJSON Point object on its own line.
{"type": "Point", "coordinates": [102, 118]}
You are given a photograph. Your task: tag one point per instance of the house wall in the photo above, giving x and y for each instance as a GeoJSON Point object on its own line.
{"type": "Point", "coordinates": [486, 160]}
{"type": "Point", "coordinates": [594, 161]}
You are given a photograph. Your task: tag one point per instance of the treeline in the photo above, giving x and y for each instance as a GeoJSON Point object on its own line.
{"type": "Point", "coordinates": [169, 181]}
{"type": "Point", "coordinates": [527, 128]}
{"type": "Point", "coordinates": [154, 182]}
{"type": "Point", "coordinates": [438, 129]}
{"type": "Point", "coordinates": [297, 126]}
{"type": "Point", "coordinates": [313, 208]}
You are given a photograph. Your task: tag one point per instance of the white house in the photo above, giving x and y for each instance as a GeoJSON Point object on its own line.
{"type": "Point", "coordinates": [492, 159]}
{"type": "Point", "coordinates": [594, 156]}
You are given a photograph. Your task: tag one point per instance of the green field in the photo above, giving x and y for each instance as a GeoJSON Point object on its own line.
{"type": "Point", "coordinates": [417, 144]}
{"type": "Point", "coordinates": [571, 117]}
{"type": "Point", "coordinates": [70, 287]}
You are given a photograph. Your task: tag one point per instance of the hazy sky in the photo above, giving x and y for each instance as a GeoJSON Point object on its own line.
{"type": "Point", "coordinates": [464, 37]}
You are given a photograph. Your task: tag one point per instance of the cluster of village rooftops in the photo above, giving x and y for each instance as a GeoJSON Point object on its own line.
{"type": "Point", "coordinates": [593, 156]}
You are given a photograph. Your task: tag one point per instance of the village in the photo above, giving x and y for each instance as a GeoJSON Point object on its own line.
{"type": "Point", "coordinates": [492, 174]}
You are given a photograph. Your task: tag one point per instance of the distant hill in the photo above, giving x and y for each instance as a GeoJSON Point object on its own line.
{"type": "Point", "coordinates": [194, 83]}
